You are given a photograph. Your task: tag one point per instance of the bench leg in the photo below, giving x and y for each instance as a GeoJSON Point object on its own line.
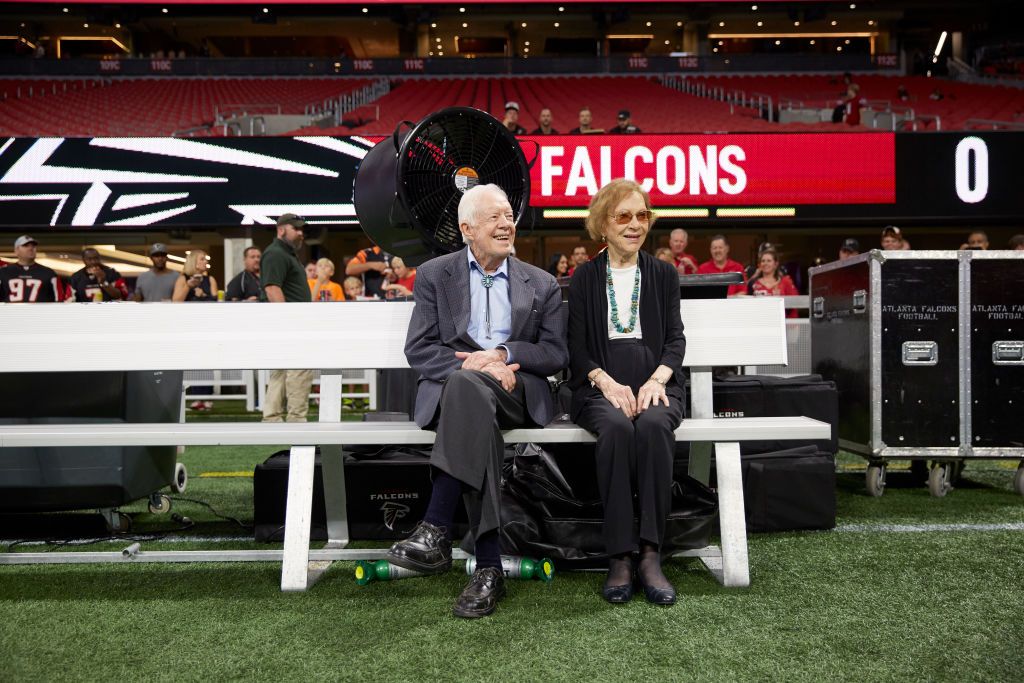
{"type": "Point", "coordinates": [295, 564]}
{"type": "Point", "coordinates": [731, 515]}
{"type": "Point", "coordinates": [333, 468]}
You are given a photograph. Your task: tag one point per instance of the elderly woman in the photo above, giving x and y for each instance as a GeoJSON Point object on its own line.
{"type": "Point", "coordinates": [626, 349]}
{"type": "Point", "coordinates": [195, 282]}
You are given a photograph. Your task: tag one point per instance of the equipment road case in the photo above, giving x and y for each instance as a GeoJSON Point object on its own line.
{"type": "Point", "coordinates": [927, 351]}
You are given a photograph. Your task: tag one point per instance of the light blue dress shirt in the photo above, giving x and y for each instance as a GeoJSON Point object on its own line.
{"type": "Point", "coordinates": [500, 303]}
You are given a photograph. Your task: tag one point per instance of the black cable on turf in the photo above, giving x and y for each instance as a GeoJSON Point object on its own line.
{"type": "Point", "coordinates": [247, 527]}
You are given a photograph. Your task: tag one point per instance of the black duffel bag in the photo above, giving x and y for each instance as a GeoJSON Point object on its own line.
{"type": "Point", "coordinates": [551, 507]}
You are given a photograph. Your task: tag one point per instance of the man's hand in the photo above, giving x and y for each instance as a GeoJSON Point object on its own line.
{"type": "Point", "coordinates": [477, 360]}
{"type": "Point", "coordinates": [96, 272]}
{"type": "Point", "coordinates": [503, 373]}
{"type": "Point", "coordinates": [379, 266]}
{"type": "Point", "coordinates": [619, 395]}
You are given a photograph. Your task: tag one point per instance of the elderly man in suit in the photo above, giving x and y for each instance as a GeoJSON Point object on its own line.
{"type": "Point", "coordinates": [485, 334]}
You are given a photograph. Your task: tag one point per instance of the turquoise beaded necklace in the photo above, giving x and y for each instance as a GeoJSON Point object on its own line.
{"type": "Point", "coordinates": [634, 300]}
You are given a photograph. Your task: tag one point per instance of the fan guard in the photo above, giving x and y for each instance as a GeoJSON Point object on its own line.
{"type": "Point", "coordinates": [407, 191]}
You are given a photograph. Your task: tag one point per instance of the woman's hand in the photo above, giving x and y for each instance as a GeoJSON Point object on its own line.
{"type": "Point", "coordinates": [619, 395]}
{"type": "Point", "coordinates": [650, 394]}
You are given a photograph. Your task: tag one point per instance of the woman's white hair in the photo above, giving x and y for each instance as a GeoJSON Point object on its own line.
{"type": "Point", "coordinates": [470, 202]}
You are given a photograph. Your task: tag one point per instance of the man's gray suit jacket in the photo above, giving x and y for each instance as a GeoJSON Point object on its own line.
{"type": "Point", "coordinates": [440, 322]}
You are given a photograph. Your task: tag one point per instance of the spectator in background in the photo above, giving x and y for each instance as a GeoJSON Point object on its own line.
{"type": "Point", "coordinates": [311, 270]}
{"type": "Point", "coordinates": [96, 281]}
{"type": "Point", "coordinates": [283, 280]}
{"type": "Point", "coordinates": [157, 283]}
{"type": "Point", "coordinates": [559, 265]}
{"type": "Point", "coordinates": [976, 240]}
{"type": "Point", "coordinates": [27, 281]}
{"type": "Point", "coordinates": [892, 238]}
{"type": "Point", "coordinates": [246, 285]}
{"type": "Point", "coordinates": [544, 118]}
{"type": "Point", "coordinates": [585, 119]}
{"type": "Point", "coordinates": [769, 281]}
{"type": "Point", "coordinates": [849, 249]}
{"type": "Point", "coordinates": [512, 119]}
{"type": "Point", "coordinates": [402, 280]}
{"type": "Point", "coordinates": [579, 257]}
{"type": "Point", "coordinates": [625, 125]}
{"type": "Point", "coordinates": [354, 289]}
{"type": "Point", "coordinates": [373, 265]}
{"type": "Point", "coordinates": [852, 105]}
{"type": "Point", "coordinates": [721, 263]}
{"type": "Point", "coordinates": [195, 282]}
{"type": "Point", "coordinates": [685, 264]}
{"type": "Point", "coordinates": [1016, 243]}
{"type": "Point", "coordinates": [322, 289]}
{"type": "Point", "coordinates": [902, 93]}
{"type": "Point", "coordinates": [664, 254]}
{"type": "Point", "coordinates": [936, 95]}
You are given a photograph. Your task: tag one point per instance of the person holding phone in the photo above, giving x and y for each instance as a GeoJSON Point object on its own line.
{"type": "Point", "coordinates": [195, 282]}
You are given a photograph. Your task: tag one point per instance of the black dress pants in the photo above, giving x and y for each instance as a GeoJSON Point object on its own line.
{"type": "Point", "coordinates": [473, 410]}
{"type": "Point", "coordinates": [633, 457]}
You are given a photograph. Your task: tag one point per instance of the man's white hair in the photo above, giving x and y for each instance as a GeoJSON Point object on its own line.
{"type": "Point", "coordinates": [470, 202]}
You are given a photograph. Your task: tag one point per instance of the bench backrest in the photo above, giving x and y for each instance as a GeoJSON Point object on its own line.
{"type": "Point", "coordinates": [355, 335]}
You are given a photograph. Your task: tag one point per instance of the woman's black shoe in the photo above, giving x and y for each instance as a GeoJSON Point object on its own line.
{"type": "Point", "coordinates": [618, 594]}
{"type": "Point", "coordinates": [658, 596]}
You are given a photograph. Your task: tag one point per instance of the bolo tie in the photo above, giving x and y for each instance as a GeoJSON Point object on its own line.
{"type": "Point", "coordinates": [488, 282]}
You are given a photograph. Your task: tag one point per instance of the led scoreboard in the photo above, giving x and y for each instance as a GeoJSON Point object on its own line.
{"type": "Point", "coordinates": [820, 179]}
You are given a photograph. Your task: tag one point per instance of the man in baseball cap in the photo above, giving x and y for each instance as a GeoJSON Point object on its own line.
{"type": "Point", "coordinates": [27, 281]}
{"type": "Point", "coordinates": [157, 283]}
{"type": "Point", "coordinates": [849, 248]}
{"type": "Point", "coordinates": [512, 119]}
{"type": "Point", "coordinates": [625, 125]}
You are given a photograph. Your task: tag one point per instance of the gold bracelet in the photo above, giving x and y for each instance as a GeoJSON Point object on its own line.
{"type": "Point", "coordinates": [655, 379]}
{"type": "Point", "coordinates": [593, 380]}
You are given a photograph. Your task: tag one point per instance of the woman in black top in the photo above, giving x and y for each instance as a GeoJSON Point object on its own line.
{"type": "Point", "coordinates": [559, 265]}
{"type": "Point", "coordinates": [195, 283]}
{"type": "Point", "coordinates": [626, 348]}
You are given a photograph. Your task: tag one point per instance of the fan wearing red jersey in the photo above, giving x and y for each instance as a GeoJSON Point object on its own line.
{"type": "Point", "coordinates": [26, 281]}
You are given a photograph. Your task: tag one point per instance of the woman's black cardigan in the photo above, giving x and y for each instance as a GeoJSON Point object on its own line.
{"type": "Point", "coordinates": [660, 322]}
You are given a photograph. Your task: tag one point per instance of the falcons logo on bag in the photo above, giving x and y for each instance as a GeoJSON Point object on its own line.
{"type": "Point", "coordinates": [392, 513]}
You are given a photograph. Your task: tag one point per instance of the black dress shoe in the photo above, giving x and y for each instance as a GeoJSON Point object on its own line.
{"type": "Point", "coordinates": [481, 594]}
{"type": "Point", "coordinates": [426, 550]}
{"type": "Point", "coordinates": [658, 596]}
{"type": "Point", "coordinates": [618, 594]}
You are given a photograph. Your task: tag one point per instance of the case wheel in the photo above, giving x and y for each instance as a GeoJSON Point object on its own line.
{"type": "Point", "coordinates": [159, 504]}
{"type": "Point", "coordinates": [874, 479]}
{"type": "Point", "coordinates": [118, 522]}
{"type": "Point", "coordinates": [180, 481]}
{"type": "Point", "coordinates": [938, 479]}
{"type": "Point", "coordinates": [956, 471]}
{"type": "Point", "coordinates": [1018, 480]}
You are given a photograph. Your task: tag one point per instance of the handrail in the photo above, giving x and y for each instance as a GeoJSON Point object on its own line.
{"type": "Point", "coordinates": [242, 109]}
{"type": "Point", "coordinates": [995, 124]}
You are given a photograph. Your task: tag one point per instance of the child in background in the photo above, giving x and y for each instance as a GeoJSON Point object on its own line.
{"type": "Point", "coordinates": [322, 289]}
{"type": "Point", "coordinates": [354, 289]}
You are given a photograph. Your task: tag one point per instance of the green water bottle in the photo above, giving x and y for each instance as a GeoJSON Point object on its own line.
{"type": "Point", "coordinates": [519, 567]}
{"type": "Point", "coordinates": [382, 570]}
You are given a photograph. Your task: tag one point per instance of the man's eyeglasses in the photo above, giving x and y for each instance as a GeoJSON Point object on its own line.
{"type": "Point", "coordinates": [626, 217]}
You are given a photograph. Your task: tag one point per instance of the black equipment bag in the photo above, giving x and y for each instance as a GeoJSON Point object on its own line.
{"type": "Point", "coordinates": [387, 495]}
{"type": "Point", "coordinates": [785, 490]}
{"type": "Point", "coordinates": [551, 507]}
{"type": "Point", "coordinates": [767, 396]}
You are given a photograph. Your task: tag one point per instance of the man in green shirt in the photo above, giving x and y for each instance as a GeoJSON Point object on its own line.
{"type": "Point", "coordinates": [283, 280]}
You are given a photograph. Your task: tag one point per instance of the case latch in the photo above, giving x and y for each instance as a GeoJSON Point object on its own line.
{"type": "Point", "coordinates": [1008, 353]}
{"type": "Point", "coordinates": [818, 307]}
{"type": "Point", "coordinates": [860, 301]}
{"type": "Point", "coordinates": [920, 353]}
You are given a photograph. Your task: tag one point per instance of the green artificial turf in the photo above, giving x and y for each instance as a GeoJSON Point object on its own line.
{"type": "Point", "coordinates": [869, 601]}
